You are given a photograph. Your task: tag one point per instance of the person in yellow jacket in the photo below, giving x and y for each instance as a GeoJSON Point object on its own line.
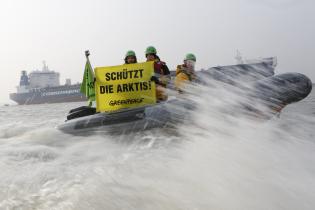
{"type": "Point", "coordinates": [185, 73]}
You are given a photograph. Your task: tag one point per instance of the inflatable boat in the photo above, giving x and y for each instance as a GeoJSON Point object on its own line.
{"type": "Point", "coordinates": [274, 92]}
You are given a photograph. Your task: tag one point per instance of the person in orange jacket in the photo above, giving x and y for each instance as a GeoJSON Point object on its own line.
{"type": "Point", "coordinates": [162, 73]}
{"type": "Point", "coordinates": [186, 72]}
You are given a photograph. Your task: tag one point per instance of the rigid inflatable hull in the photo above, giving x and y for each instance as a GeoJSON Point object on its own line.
{"type": "Point", "coordinates": [161, 115]}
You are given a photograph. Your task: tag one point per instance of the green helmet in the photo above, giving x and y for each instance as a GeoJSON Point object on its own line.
{"type": "Point", "coordinates": [150, 50]}
{"type": "Point", "coordinates": [130, 53]}
{"type": "Point", "coordinates": [190, 56]}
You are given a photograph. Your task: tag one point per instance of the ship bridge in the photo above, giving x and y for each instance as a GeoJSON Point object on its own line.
{"type": "Point", "coordinates": [44, 78]}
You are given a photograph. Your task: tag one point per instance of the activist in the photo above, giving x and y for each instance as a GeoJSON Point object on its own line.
{"type": "Point", "coordinates": [162, 73]}
{"type": "Point", "coordinates": [186, 72]}
{"type": "Point", "coordinates": [130, 57]}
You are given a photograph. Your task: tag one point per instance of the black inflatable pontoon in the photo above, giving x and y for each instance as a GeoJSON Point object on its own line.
{"type": "Point", "coordinates": [165, 114]}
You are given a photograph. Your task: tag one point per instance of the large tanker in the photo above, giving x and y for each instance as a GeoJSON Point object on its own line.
{"type": "Point", "coordinates": [43, 86]}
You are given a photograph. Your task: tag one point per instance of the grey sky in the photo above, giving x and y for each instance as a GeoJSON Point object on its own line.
{"type": "Point", "coordinates": [59, 31]}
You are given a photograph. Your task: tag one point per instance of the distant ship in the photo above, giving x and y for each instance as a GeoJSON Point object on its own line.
{"type": "Point", "coordinates": [43, 86]}
{"type": "Point", "coordinates": [239, 60]}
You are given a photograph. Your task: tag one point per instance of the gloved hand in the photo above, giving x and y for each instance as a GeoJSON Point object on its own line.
{"type": "Point", "coordinates": [155, 79]}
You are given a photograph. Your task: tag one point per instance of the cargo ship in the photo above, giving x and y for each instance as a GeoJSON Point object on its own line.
{"type": "Point", "coordinates": [43, 86]}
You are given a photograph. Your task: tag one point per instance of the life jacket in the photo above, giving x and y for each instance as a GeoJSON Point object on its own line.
{"type": "Point", "coordinates": [161, 68]}
{"type": "Point", "coordinates": [183, 69]}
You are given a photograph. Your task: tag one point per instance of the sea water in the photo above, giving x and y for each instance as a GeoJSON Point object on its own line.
{"type": "Point", "coordinates": [215, 160]}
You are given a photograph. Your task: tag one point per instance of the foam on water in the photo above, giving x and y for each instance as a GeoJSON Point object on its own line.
{"type": "Point", "coordinates": [217, 160]}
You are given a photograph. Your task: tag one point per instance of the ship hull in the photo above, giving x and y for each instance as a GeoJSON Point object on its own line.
{"type": "Point", "coordinates": [60, 94]}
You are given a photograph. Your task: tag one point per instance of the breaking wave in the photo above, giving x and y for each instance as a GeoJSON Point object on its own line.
{"type": "Point", "coordinates": [218, 159]}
